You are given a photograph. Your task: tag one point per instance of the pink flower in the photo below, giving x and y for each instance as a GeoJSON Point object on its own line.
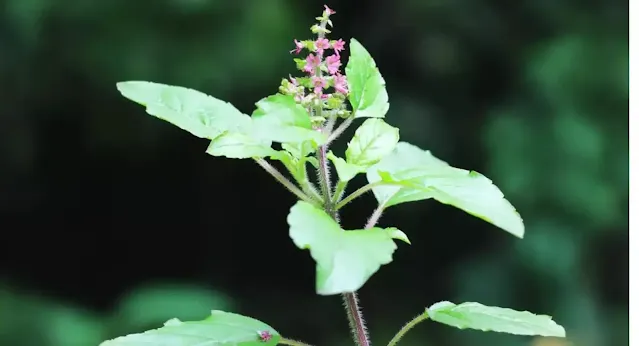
{"type": "Point", "coordinates": [333, 63]}
{"type": "Point", "coordinates": [312, 62]}
{"type": "Point", "coordinates": [298, 47]}
{"type": "Point", "coordinates": [322, 44]}
{"type": "Point", "coordinates": [319, 83]}
{"type": "Point", "coordinates": [338, 45]}
{"type": "Point", "coordinates": [328, 11]}
{"type": "Point", "coordinates": [339, 83]}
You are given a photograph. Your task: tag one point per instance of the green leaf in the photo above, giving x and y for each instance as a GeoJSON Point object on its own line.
{"type": "Point", "coordinates": [490, 318]}
{"type": "Point", "coordinates": [367, 88]}
{"type": "Point", "coordinates": [236, 145]}
{"type": "Point", "coordinates": [345, 171]}
{"type": "Point", "coordinates": [295, 156]}
{"type": "Point", "coordinates": [202, 115]}
{"type": "Point", "coordinates": [373, 140]}
{"type": "Point", "coordinates": [300, 149]}
{"type": "Point", "coordinates": [280, 119]}
{"type": "Point", "coordinates": [422, 176]}
{"type": "Point", "coordinates": [220, 329]}
{"type": "Point", "coordinates": [345, 259]}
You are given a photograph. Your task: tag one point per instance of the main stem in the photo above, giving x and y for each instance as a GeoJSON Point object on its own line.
{"type": "Point", "coordinates": [351, 302]}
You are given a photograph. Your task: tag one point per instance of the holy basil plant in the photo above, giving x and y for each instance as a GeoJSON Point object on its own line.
{"type": "Point", "coordinates": [296, 127]}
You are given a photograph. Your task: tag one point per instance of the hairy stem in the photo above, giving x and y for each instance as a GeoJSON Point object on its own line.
{"type": "Point", "coordinates": [284, 181]}
{"type": "Point", "coordinates": [374, 218]}
{"type": "Point", "coordinates": [340, 129]}
{"type": "Point", "coordinates": [290, 342]}
{"type": "Point", "coordinates": [406, 328]}
{"type": "Point", "coordinates": [324, 178]}
{"type": "Point", "coordinates": [339, 191]}
{"type": "Point", "coordinates": [362, 190]}
{"type": "Point", "coordinates": [355, 319]}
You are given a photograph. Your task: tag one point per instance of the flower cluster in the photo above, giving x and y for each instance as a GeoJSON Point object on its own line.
{"type": "Point", "coordinates": [322, 66]}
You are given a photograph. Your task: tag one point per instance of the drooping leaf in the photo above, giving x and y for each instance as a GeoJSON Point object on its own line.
{"type": "Point", "coordinates": [220, 329]}
{"type": "Point", "coordinates": [373, 140]}
{"type": "Point", "coordinates": [422, 176]}
{"type": "Point", "coordinates": [300, 149]}
{"type": "Point", "coordinates": [295, 157]}
{"type": "Point", "coordinates": [345, 171]}
{"type": "Point", "coordinates": [495, 319]}
{"type": "Point", "coordinates": [239, 145]}
{"type": "Point", "coordinates": [345, 259]}
{"type": "Point", "coordinates": [202, 115]}
{"type": "Point", "coordinates": [367, 88]}
{"type": "Point", "coordinates": [280, 119]}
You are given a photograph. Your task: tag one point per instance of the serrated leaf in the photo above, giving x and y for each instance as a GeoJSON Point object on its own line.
{"type": "Point", "coordinates": [496, 319]}
{"type": "Point", "coordinates": [373, 140]}
{"type": "Point", "coordinates": [220, 329]}
{"type": "Point", "coordinates": [237, 145]}
{"type": "Point", "coordinates": [280, 119]}
{"type": "Point", "coordinates": [202, 115]}
{"type": "Point", "coordinates": [345, 170]}
{"type": "Point", "coordinates": [345, 259]}
{"type": "Point", "coordinates": [367, 88]}
{"type": "Point", "coordinates": [420, 175]}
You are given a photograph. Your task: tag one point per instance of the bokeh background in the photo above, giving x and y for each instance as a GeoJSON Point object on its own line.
{"type": "Point", "coordinates": [113, 221]}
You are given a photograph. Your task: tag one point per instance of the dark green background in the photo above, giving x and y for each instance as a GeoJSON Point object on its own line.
{"type": "Point", "coordinates": [114, 221]}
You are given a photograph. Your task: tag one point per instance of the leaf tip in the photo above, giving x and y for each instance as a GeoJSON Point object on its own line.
{"type": "Point", "coordinates": [399, 235]}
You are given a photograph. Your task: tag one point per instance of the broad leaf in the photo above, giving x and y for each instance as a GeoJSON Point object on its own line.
{"type": "Point", "coordinates": [202, 115]}
{"type": "Point", "coordinates": [367, 88]}
{"type": "Point", "coordinates": [490, 318]}
{"type": "Point", "coordinates": [422, 176]}
{"type": "Point", "coordinates": [373, 140]}
{"type": "Point", "coordinates": [345, 259]}
{"type": "Point", "coordinates": [237, 145]}
{"type": "Point", "coordinates": [220, 329]}
{"type": "Point", "coordinates": [345, 171]}
{"type": "Point", "coordinates": [280, 119]}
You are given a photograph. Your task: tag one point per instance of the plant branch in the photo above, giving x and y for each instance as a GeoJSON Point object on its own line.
{"type": "Point", "coordinates": [415, 321]}
{"type": "Point", "coordinates": [284, 181]}
{"type": "Point", "coordinates": [339, 191]}
{"type": "Point", "coordinates": [355, 319]}
{"type": "Point", "coordinates": [374, 218]}
{"type": "Point", "coordinates": [362, 190]}
{"type": "Point", "coordinates": [324, 178]}
{"type": "Point", "coordinates": [340, 129]}
{"type": "Point", "coordinates": [290, 342]}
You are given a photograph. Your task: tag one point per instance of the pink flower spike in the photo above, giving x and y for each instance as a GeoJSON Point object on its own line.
{"type": "Point", "coordinates": [298, 47]}
{"type": "Point", "coordinates": [328, 10]}
{"type": "Point", "coordinates": [321, 44]}
{"type": "Point", "coordinates": [339, 83]}
{"type": "Point", "coordinates": [333, 63]}
{"type": "Point", "coordinates": [319, 83]}
{"type": "Point", "coordinates": [312, 62]}
{"type": "Point", "coordinates": [338, 45]}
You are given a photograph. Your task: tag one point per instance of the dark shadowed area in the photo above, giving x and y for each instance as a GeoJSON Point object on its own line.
{"type": "Point", "coordinates": [114, 221]}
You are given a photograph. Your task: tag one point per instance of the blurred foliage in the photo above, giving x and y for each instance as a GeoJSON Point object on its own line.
{"type": "Point", "coordinates": [532, 93]}
{"type": "Point", "coordinates": [28, 319]}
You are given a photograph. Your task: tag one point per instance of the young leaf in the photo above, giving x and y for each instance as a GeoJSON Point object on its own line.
{"type": "Point", "coordinates": [220, 329]}
{"type": "Point", "coordinates": [280, 119]}
{"type": "Point", "coordinates": [345, 259]}
{"type": "Point", "coordinates": [345, 171]}
{"type": "Point", "coordinates": [422, 176]}
{"type": "Point", "coordinates": [200, 114]}
{"type": "Point", "coordinates": [238, 145]}
{"type": "Point", "coordinates": [373, 140]}
{"type": "Point", "coordinates": [367, 88]}
{"type": "Point", "coordinates": [490, 318]}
